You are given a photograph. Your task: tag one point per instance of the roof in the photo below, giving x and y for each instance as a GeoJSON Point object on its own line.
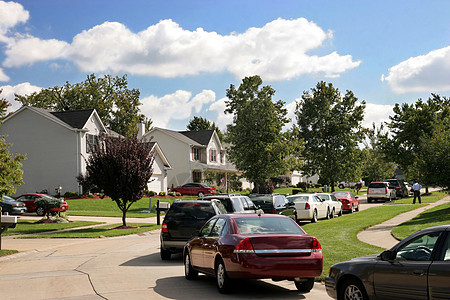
{"type": "Point", "coordinates": [74, 118]}
{"type": "Point", "coordinates": [201, 136]}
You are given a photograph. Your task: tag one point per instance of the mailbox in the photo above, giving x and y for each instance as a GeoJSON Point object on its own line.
{"type": "Point", "coordinates": [7, 222]}
{"type": "Point", "coordinates": [164, 205]}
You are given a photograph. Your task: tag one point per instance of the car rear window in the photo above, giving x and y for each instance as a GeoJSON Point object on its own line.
{"type": "Point", "coordinates": [340, 195]}
{"type": "Point", "coordinates": [259, 225]}
{"type": "Point", "coordinates": [191, 210]}
{"type": "Point", "coordinates": [297, 199]}
{"type": "Point", "coordinates": [377, 185]}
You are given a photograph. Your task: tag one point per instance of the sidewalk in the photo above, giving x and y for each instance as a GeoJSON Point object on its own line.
{"type": "Point", "coordinates": [380, 235]}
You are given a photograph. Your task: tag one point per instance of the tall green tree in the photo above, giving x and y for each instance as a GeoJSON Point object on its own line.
{"type": "Point", "coordinates": [121, 168]}
{"type": "Point", "coordinates": [11, 173]}
{"type": "Point", "coordinates": [199, 123]}
{"type": "Point", "coordinates": [410, 129]}
{"type": "Point", "coordinates": [117, 106]}
{"type": "Point", "coordinates": [258, 146]}
{"type": "Point", "coordinates": [330, 124]}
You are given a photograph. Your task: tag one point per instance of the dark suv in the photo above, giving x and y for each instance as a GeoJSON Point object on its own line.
{"type": "Point", "coordinates": [273, 204]}
{"type": "Point", "coordinates": [400, 188]}
{"type": "Point", "coordinates": [184, 218]}
{"type": "Point", "coordinates": [234, 203]}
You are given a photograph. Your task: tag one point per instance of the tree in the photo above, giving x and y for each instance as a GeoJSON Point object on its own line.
{"type": "Point", "coordinates": [330, 125]}
{"type": "Point", "coordinates": [11, 173]}
{"type": "Point", "coordinates": [199, 123]}
{"type": "Point", "coordinates": [411, 130]}
{"type": "Point", "coordinates": [258, 147]}
{"type": "Point", "coordinates": [117, 106]}
{"type": "Point", "coordinates": [121, 168]}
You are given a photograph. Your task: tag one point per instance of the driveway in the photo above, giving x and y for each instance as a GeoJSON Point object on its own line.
{"type": "Point", "coordinates": [117, 268]}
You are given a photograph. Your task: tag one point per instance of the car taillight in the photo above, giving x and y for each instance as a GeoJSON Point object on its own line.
{"type": "Point", "coordinates": [164, 228]}
{"type": "Point", "coordinates": [244, 246]}
{"type": "Point", "coordinates": [386, 190]}
{"type": "Point", "coordinates": [307, 206]}
{"type": "Point", "coordinates": [316, 246]}
{"type": "Point", "coordinates": [274, 211]}
{"type": "Point", "coordinates": [398, 188]}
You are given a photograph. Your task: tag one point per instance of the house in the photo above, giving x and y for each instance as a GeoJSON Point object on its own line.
{"type": "Point", "coordinates": [298, 176]}
{"type": "Point", "coordinates": [57, 144]}
{"type": "Point", "coordinates": [193, 155]}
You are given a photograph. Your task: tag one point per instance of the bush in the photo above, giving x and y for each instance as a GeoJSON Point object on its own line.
{"type": "Point", "coordinates": [150, 193]}
{"type": "Point", "coordinates": [162, 194]}
{"type": "Point", "coordinates": [47, 204]}
{"type": "Point", "coordinates": [70, 194]}
{"type": "Point", "coordinates": [302, 185]}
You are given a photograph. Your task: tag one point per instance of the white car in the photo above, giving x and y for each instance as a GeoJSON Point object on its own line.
{"type": "Point", "coordinates": [334, 204]}
{"type": "Point", "coordinates": [309, 207]}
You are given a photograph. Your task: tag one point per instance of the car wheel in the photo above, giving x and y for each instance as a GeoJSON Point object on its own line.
{"type": "Point", "coordinates": [189, 271]}
{"type": "Point", "coordinates": [328, 214]}
{"type": "Point", "coordinates": [353, 290]}
{"type": "Point", "coordinates": [201, 194]}
{"type": "Point", "coordinates": [357, 208]}
{"type": "Point", "coordinates": [314, 218]}
{"type": "Point", "coordinates": [341, 212]}
{"type": "Point", "coordinates": [369, 200]}
{"type": "Point", "coordinates": [351, 209]}
{"type": "Point", "coordinates": [305, 286]}
{"type": "Point", "coordinates": [222, 279]}
{"type": "Point", "coordinates": [40, 211]}
{"type": "Point", "coordinates": [165, 254]}
{"type": "Point", "coordinates": [333, 212]}
{"type": "Point", "coordinates": [341, 186]}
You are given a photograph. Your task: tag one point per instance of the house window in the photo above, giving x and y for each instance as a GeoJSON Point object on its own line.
{"type": "Point", "coordinates": [196, 154]}
{"type": "Point", "coordinates": [222, 157]}
{"type": "Point", "coordinates": [197, 176]}
{"type": "Point", "coordinates": [91, 141]}
{"type": "Point", "coordinates": [213, 155]}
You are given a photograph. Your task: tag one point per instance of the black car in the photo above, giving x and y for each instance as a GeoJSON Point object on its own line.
{"type": "Point", "coordinates": [11, 206]}
{"type": "Point", "coordinates": [274, 204]}
{"type": "Point", "coordinates": [400, 188]}
{"type": "Point", "coordinates": [416, 268]}
{"type": "Point", "coordinates": [182, 219]}
{"type": "Point", "coordinates": [234, 203]}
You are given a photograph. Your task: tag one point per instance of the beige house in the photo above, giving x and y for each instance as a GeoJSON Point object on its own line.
{"type": "Point", "coordinates": [56, 145]}
{"type": "Point", "coordinates": [192, 155]}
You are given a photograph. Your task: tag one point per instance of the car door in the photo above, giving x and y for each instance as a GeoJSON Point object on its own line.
{"type": "Point", "coordinates": [439, 272]}
{"type": "Point", "coordinates": [405, 277]}
{"type": "Point", "coordinates": [211, 244]}
{"type": "Point", "coordinates": [198, 244]}
{"type": "Point", "coordinates": [321, 207]}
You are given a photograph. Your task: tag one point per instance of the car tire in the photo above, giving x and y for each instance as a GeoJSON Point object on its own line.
{"type": "Point", "coordinates": [314, 217]}
{"type": "Point", "coordinates": [222, 280]}
{"type": "Point", "coordinates": [40, 211]}
{"type": "Point", "coordinates": [328, 214]}
{"type": "Point", "coordinates": [333, 212]}
{"type": "Point", "coordinates": [341, 212]}
{"type": "Point", "coordinates": [353, 289]}
{"type": "Point", "coordinates": [351, 209]}
{"type": "Point", "coordinates": [165, 254]}
{"type": "Point", "coordinates": [201, 194]}
{"type": "Point", "coordinates": [357, 208]}
{"type": "Point", "coordinates": [369, 200]}
{"type": "Point", "coordinates": [189, 272]}
{"type": "Point", "coordinates": [341, 186]}
{"type": "Point", "coordinates": [305, 286]}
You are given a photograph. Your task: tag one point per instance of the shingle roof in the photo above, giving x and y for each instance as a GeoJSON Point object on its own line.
{"type": "Point", "coordinates": [202, 136]}
{"type": "Point", "coordinates": [75, 118]}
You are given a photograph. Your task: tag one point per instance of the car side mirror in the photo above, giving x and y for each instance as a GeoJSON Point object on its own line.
{"type": "Point", "coordinates": [356, 197]}
{"type": "Point", "coordinates": [387, 255]}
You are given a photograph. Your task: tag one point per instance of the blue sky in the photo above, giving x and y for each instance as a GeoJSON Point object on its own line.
{"type": "Point", "coordinates": [183, 55]}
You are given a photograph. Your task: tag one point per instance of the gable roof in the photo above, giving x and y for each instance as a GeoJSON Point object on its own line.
{"type": "Point", "coordinates": [202, 136]}
{"type": "Point", "coordinates": [74, 118]}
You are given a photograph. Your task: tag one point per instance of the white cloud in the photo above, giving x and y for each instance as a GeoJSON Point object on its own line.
{"type": "Point", "coordinates": [222, 119]}
{"type": "Point", "coordinates": [277, 51]}
{"type": "Point", "coordinates": [177, 106]}
{"type": "Point", "coordinates": [3, 76]}
{"type": "Point", "coordinates": [11, 14]}
{"type": "Point", "coordinates": [377, 113]}
{"type": "Point", "coordinates": [425, 73]}
{"type": "Point", "coordinates": [21, 89]}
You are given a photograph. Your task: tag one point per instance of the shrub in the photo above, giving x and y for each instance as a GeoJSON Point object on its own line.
{"type": "Point", "coordinates": [162, 194]}
{"type": "Point", "coordinates": [302, 185]}
{"type": "Point", "coordinates": [47, 204]}
{"type": "Point", "coordinates": [70, 194]}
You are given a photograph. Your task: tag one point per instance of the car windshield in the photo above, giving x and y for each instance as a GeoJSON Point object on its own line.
{"type": "Point", "coordinates": [341, 195]}
{"type": "Point", "coordinates": [260, 225]}
{"type": "Point", "coordinates": [377, 185]}
{"type": "Point", "coordinates": [297, 199]}
{"type": "Point", "coordinates": [7, 198]}
{"type": "Point", "coordinates": [204, 185]}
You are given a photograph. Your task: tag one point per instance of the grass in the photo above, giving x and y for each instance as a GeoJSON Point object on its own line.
{"type": "Point", "coordinates": [99, 231]}
{"type": "Point", "coordinates": [338, 236]}
{"type": "Point", "coordinates": [433, 197]}
{"type": "Point", "coordinates": [439, 215]}
{"type": "Point", "coordinates": [7, 252]}
{"type": "Point", "coordinates": [30, 227]}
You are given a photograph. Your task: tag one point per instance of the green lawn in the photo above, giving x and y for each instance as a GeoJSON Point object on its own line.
{"type": "Point", "coordinates": [29, 227]}
{"type": "Point", "coordinates": [439, 215]}
{"type": "Point", "coordinates": [7, 252]}
{"type": "Point", "coordinates": [435, 196]}
{"type": "Point", "coordinates": [96, 232]}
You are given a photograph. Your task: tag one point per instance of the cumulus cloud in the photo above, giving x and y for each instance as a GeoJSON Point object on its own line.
{"type": "Point", "coordinates": [23, 89]}
{"type": "Point", "coordinates": [222, 119]}
{"type": "Point", "coordinates": [425, 73]}
{"type": "Point", "coordinates": [177, 106]}
{"type": "Point", "coordinates": [377, 113]}
{"type": "Point", "coordinates": [277, 51]}
{"type": "Point", "coordinates": [11, 14]}
{"type": "Point", "coordinates": [3, 76]}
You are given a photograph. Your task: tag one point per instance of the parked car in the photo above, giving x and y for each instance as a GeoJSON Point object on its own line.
{"type": "Point", "coordinates": [334, 204]}
{"type": "Point", "coordinates": [237, 246]}
{"type": "Point", "coordinates": [309, 207]}
{"type": "Point", "coordinates": [29, 199]}
{"type": "Point", "coordinates": [400, 189]}
{"type": "Point", "coordinates": [380, 190]}
{"type": "Point", "coordinates": [11, 206]}
{"type": "Point", "coordinates": [182, 219]}
{"type": "Point", "coordinates": [418, 267]}
{"type": "Point", "coordinates": [194, 189]}
{"type": "Point", "coordinates": [234, 203]}
{"type": "Point", "coordinates": [345, 184]}
{"type": "Point", "coordinates": [349, 201]}
{"type": "Point", "coordinates": [273, 204]}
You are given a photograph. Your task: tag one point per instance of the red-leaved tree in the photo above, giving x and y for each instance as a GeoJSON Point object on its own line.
{"type": "Point", "coordinates": [121, 168]}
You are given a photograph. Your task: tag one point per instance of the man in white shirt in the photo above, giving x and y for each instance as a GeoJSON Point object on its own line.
{"type": "Point", "coordinates": [416, 189]}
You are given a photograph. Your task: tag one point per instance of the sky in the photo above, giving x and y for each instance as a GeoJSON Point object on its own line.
{"type": "Point", "coordinates": [184, 55]}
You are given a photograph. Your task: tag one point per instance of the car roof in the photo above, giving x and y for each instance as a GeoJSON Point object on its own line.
{"type": "Point", "coordinates": [237, 216]}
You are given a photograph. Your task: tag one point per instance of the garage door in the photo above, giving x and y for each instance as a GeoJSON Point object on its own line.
{"type": "Point", "coordinates": [156, 184]}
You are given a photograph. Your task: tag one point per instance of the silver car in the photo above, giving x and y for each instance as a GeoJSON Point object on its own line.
{"type": "Point", "coordinates": [309, 207]}
{"type": "Point", "coordinates": [334, 204]}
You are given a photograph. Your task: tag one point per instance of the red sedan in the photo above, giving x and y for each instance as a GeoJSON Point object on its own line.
{"type": "Point", "coordinates": [254, 246]}
{"type": "Point", "coordinates": [29, 199]}
{"type": "Point", "coordinates": [194, 189]}
{"type": "Point", "coordinates": [349, 201]}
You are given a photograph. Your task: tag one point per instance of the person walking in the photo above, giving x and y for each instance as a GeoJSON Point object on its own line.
{"type": "Point", "coordinates": [416, 190]}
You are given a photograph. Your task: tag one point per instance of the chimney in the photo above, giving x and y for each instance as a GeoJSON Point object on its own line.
{"type": "Point", "coordinates": [140, 130]}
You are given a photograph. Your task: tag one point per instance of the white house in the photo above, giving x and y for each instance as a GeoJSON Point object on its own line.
{"type": "Point", "coordinates": [192, 154]}
{"type": "Point", "coordinates": [56, 145]}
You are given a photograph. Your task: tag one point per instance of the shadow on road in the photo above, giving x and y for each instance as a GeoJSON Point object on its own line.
{"type": "Point", "coordinates": [153, 260]}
